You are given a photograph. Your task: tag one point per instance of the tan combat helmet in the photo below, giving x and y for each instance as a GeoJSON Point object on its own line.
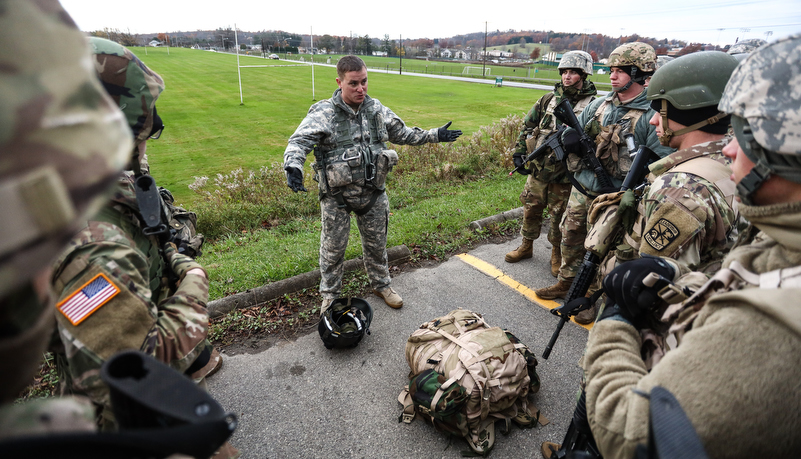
{"type": "Point", "coordinates": [63, 143]}
{"type": "Point", "coordinates": [637, 59]}
{"type": "Point", "coordinates": [580, 60]}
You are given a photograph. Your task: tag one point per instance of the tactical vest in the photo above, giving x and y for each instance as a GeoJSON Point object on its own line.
{"type": "Point", "coordinates": [697, 164]}
{"type": "Point", "coordinates": [348, 163]}
{"type": "Point", "coordinates": [548, 121]}
{"type": "Point", "coordinates": [612, 149]}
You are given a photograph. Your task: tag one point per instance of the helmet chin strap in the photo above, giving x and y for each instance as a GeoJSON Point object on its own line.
{"type": "Point", "coordinates": [754, 179]}
{"type": "Point", "coordinates": [668, 134]}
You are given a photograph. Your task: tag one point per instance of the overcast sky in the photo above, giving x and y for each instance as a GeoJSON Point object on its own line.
{"type": "Point", "coordinates": [708, 21]}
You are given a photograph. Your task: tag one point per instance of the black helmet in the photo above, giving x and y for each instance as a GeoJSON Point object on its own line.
{"type": "Point", "coordinates": [345, 322]}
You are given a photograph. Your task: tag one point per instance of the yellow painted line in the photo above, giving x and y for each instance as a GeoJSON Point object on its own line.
{"type": "Point", "coordinates": [498, 275]}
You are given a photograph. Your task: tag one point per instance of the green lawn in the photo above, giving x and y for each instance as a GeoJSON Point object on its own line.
{"type": "Point", "coordinates": [208, 132]}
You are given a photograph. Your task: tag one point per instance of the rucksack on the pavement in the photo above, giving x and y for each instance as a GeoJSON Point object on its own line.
{"type": "Point", "coordinates": [466, 375]}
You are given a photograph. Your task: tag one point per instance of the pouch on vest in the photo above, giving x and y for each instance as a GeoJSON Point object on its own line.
{"type": "Point", "coordinates": [383, 165]}
{"type": "Point", "coordinates": [339, 171]}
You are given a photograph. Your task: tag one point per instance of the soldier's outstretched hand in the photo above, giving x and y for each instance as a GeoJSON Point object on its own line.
{"type": "Point", "coordinates": [445, 135]}
{"type": "Point", "coordinates": [294, 179]}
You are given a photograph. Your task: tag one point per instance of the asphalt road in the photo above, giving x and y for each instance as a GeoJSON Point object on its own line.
{"type": "Point", "coordinates": [299, 400]}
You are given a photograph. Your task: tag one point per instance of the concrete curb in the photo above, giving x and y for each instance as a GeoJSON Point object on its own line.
{"type": "Point", "coordinates": [498, 218]}
{"type": "Point", "coordinates": [265, 293]}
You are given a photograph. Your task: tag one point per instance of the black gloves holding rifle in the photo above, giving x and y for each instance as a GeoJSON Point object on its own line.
{"type": "Point", "coordinates": [444, 135]}
{"type": "Point", "coordinates": [632, 298]}
{"type": "Point", "coordinates": [294, 179]}
{"type": "Point", "coordinates": [519, 160]}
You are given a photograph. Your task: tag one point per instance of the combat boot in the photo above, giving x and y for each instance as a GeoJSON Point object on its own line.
{"type": "Point", "coordinates": [521, 253]}
{"type": "Point", "coordinates": [556, 260]}
{"type": "Point", "coordinates": [549, 449]}
{"type": "Point", "coordinates": [390, 297]}
{"type": "Point", "coordinates": [558, 290]}
{"type": "Point", "coordinates": [587, 316]}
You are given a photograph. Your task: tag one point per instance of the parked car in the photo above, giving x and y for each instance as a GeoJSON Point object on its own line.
{"type": "Point", "coordinates": [273, 56]}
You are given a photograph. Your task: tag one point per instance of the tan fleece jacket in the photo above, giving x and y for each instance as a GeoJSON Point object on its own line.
{"type": "Point", "coordinates": [737, 373]}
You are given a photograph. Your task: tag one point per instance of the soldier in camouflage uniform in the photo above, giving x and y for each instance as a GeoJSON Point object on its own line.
{"type": "Point", "coordinates": [740, 334]}
{"type": "Point", "coordinates": [119, 286]}
{"type": "Point", "coordinates": [347, 133]}
{"type": "Point", "coordinates": [606, 120]}
{"type": "Point", "coordinates": [63, 142]}
{"type": "Point", "coordinates": [547, 185]}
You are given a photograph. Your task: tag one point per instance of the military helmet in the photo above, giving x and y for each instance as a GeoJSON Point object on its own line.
{"type": "Point", "coordinates": [662, 60]}
{"type": "Point", "coordinates": [687, 90]}
{"type": "Point", "coordinates": [693, 81]}
{"type": "Point", "coordinates": [636, 54]}
{"type": "Point", "coordinates": [746, 46]}
{"type": "Point", "coordinates": [345, 322]}
{"type": "Point", "coordinates": [130, 83]}
{"type": "Point", "coordinates": [577, 60]}
{"type": "Point", "coordinates": [763, 98]}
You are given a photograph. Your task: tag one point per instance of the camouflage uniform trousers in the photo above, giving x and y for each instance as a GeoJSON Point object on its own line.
{"type": "Point", "coordinates": [334, 240]}
{"type": "Point", "coordinates": [574, 232]}
{"type": "Point", "coordinates": [538, 195]}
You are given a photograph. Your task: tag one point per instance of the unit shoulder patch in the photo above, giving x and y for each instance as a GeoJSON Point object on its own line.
{"type": "Point", "coordinates": [661, 234]}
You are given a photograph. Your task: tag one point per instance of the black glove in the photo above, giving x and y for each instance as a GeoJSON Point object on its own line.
{"type": "Point", "coordinates": [294, 179]}
{"type": "Point", "coordinates": [624, 285]}
{"type": "Point", "coordinates": [444, 135]}
{"type": "Point", "coordinates": [571, 142]}
{"type": "Point", "coordinates": [518, 159]}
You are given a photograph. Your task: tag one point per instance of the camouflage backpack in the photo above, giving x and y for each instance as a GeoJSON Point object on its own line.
{"type": "Point", "coordinates": [466, 375]}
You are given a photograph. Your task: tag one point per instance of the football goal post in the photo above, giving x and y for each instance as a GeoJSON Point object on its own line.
{"type": "Point", "coordinates": [470, 70]}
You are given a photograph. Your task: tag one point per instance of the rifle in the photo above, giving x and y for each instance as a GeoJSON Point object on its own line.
{"type": "Point", "coordinates": [564, 113]}
{"type": "Point", "coordinates": [552, 142]}
{"type": "Point", "coordinates": [575, 301]}
{"type": "Point", "coordinates": [160, 413]}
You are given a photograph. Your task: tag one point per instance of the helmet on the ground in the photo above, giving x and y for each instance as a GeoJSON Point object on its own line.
{"type": "Point", "coordinates": [637, 59]}
{"type": "Point", "coordinates": [748, 45]}
{"type": "Point", "coordinates": [130, 83]}
{"type": "Point", "coordinates": [687, 90]}
{"type": "Point", "coordinates": [345, 322]}
{"type": "Point", "coordinates": [763, 98]}
{"type": "Point", "coordinates": [577, 60]}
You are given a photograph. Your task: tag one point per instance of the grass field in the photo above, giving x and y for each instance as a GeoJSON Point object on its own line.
{"type": "Point", "coordinates": [208, 132]}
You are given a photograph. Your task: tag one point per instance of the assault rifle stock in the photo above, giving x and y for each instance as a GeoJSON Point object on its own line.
{"type": "Point", "coordinates": [552, 142]}
{"type": "Point", "coordinates": [575, 301]}
{"type": "Point", "coordinates": [564, 113]}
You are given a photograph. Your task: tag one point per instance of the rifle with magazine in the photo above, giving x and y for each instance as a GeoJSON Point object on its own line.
{"type": "Point", "coordinates": [552, 142]}
{"type": "Point", "coordinates": [564, 113]}
{"type": "Point", "coordinates": [575, 301]}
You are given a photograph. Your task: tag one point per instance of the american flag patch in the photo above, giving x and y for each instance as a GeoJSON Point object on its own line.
{"type": "Point", "coordinates": [87, 299]}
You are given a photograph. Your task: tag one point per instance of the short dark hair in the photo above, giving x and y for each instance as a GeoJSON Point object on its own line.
{"type": "Point", "coordinates": [349, 63]}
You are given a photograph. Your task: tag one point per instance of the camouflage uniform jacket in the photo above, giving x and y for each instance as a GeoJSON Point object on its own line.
{"type": "Point", "coordinates": [145, 313]}
{"type": "Point", "coordinates": [320, 128]}
{"type": "Point", "coordinates": [743, 350]}
{"type": "Point", "coordinates": [689, 213]}
{"type": "Point", "coordinates": [539, 123]}
{"type": "Point", "coordinates": [614, 112]}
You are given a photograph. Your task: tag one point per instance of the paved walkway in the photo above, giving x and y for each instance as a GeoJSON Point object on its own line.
{"type": "Point", "coordinates": [300, 400]}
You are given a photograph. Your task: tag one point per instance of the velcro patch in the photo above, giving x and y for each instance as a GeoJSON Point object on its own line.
{"type": "Point", "coordinates": [661, 234]}
{"type": "Point", "coordinates": [88, 298]}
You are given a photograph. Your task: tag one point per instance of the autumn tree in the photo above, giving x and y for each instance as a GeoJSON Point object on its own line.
{"type": "Point", "coordinates": [535, 54]}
